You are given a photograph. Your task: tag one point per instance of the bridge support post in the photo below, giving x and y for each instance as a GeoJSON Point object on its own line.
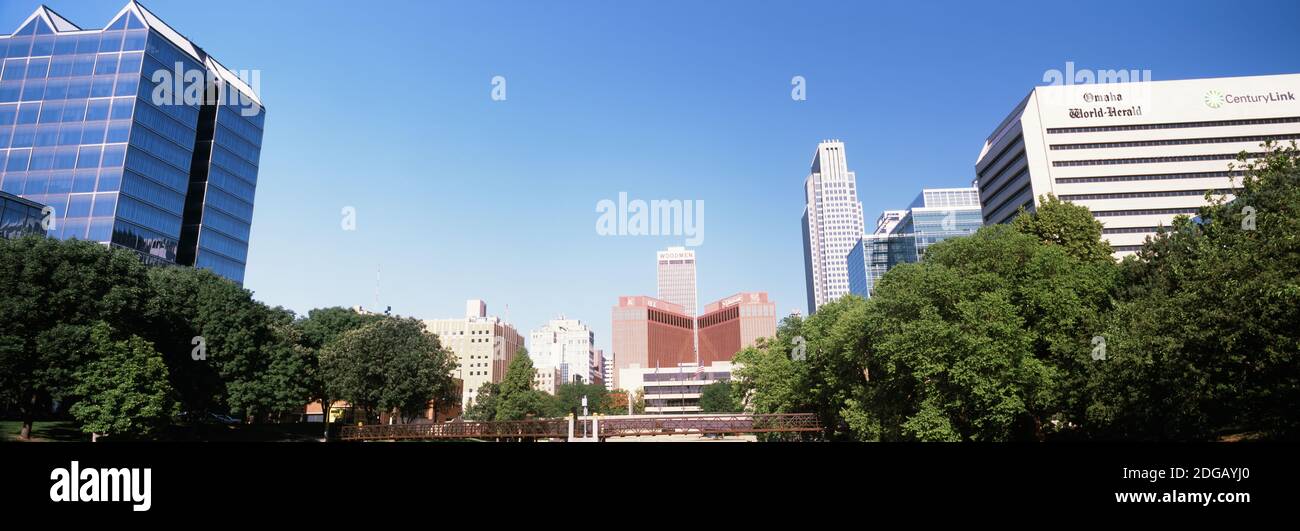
{"type": "Point", "coordinates": [592, 436]}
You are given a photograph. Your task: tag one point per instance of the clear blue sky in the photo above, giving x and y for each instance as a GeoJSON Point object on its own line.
{"type": "Point", "coordinates": [385, 106]}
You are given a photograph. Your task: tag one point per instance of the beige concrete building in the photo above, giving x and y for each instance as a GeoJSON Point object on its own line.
{"type": "Point", "coordinates": [547, 379]}
{"type": "Point", "coordinates": [484, 346]}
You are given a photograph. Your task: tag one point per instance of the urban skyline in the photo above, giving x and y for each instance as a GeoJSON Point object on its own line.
{"type": "Point", "coordinates": [352, 259]}
{"type": "Point", "coordinates": [506, 228]}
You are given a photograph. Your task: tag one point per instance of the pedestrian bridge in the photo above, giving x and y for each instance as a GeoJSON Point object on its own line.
{"type": "Point", "coordinates": [589, 428]}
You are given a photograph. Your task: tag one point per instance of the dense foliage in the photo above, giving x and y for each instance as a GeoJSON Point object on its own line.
{"type": "Point", "coordinates": [126, 348]}
{"type": "Point", "coordinates": [1030, 331]}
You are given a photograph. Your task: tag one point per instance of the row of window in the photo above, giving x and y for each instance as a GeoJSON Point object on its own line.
{"type": "Point", "coordinates": [57, 111]}
{"type": "Point", "coordinates": [145, 241]}
{"type": "Point", "coordinates": [169, 127]}
{"type": "Point", "coordinates": [1172, 125]}
{"type": "Point", "coordinates": [47, 187]}
{"type": "Point", "coordinates": [165, 149]}
{"type": "Point", "coordinates": [1016, 163]}
{"type": "Point", "coordinates": [47, 45]}
{"type": "Point", "coordinates": [1134, 195]}
{"type": "Point", "coordinates": [92, 229]}
{"type": "Point", "coordinates": [216, 197]}
{"type": "Point", "coordinates": [1144, 212]}
{"type": "Point", "coordinates": [72, 66]}
{"type": "Point", "coordinates": [70, 88]}
{"type": "Point", "coordinates": [220, 265]}
{"type": "Point", "coordinates": [233, 163]}
{"type": "Point", "coordinates": [248, 151]}
{"type": "Point", "coordinates": [215, 241]}
{"type": "Point", "coordinates": [156, 194]}
{"type": "Point", "coordinates": [1175, 142]}
{"type": "Point", "coordinates": [1150, 177]}
{"type": "Point", "coordinates": [1149, 160]}
{"type": "Point", "coordinates": [68, 134]}
{"type": "Point", "coordinates": [1128, 230]}
{"type": "Point", "coordinates": [150, 216]}
{"type": "Point", "coordinates": [247, 127]}
{"type": "Point", "coordinates": [227, 224]}
{"type": "Point", "coordinates": [63, 157]}
{"type": "Point", "coordinates": [145, 163]}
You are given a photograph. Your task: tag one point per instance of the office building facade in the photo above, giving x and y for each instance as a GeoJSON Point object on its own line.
{"type": "Point", "coordinates": [676, 277]}
{"type": "Point", "coordinates": [546, 379]}
{"type": "Point", "coordinates": [568, 346]}
{"type": "Point", "coordinates": [606, 370]}
{"type": "Point", "coordinates": [649, 332]}
{"type": "Point", "coordinates": [90, 125]}
{"type": "Point", "coordinates": [902, 236]}
{"type": "Point", "coordinates": [1136, 154]}
{"type": "Point", "coordinates": [832, 223]}
{"type": "Point", "coordinates": [733, 323]}
{"type": "Point", "coordinates": [674, 389]}
{"type": "Point", "coordinates": [483, 345]}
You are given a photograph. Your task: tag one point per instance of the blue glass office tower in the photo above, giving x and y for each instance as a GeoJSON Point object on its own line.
{"type": "Point", "coordinates": [97, 124]}
{"type": "Point", "coordinates": [935, 215]}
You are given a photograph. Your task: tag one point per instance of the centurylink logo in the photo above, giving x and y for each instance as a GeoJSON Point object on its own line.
{"type": "Point", "coordinates": [1214, 99]}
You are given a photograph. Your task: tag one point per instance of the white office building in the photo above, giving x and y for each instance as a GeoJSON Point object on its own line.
{"type": "Point", "coordinates": [676, 275]}
{"type": "Point", "coordinates": [832, 224]}
{"type": "Point", "coordinates": [567, 345]}
{"type": "Point", "coordinates": [1136, 154]}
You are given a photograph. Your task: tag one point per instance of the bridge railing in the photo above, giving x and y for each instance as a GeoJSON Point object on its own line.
{"type": "Point", "coordinates": [610, 426]}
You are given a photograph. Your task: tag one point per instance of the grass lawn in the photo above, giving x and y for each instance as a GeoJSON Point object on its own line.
{"type": "Point", "coordinates": [42, 431]}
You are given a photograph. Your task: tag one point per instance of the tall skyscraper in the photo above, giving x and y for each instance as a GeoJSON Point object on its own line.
{"type": "Point", "coordinates": [832, 223]}
{"type": "Point", "coordinates": [567, 345]}
{"type": "Point", "coordinates": [135, 136]}
{"type": "Point", "coordinates": [677, 277]}
{"type": "Point", "coordinates": [902, 236]}
{"type": "Point", "coordinates": [484, 347]}
{"type": "Point", "coordinates": [1136, 154]}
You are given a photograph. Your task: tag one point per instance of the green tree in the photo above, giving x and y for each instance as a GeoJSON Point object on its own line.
{"type": "Point", "coordinates": [1065, 224]}
{"type": "Point", "coordinates": [51, 293]}
{"type": "Point", "coordinates": [1205, 341]}
{"type": "Point", "coordinates": [771, 377]}
{"type": "Point", "coordinates": [717, 398]}
{"type": "Point", "coordinates": [989, 339]}
{"type": "Point", "coordinates": [568, 397]}
{"type": "Point", "coordinates": [484, 408]}
{"type": "Point", "coordinates": [774, 377]}
{"type": "Point", "coordinates": [316, 330]}
{"type": "Point", "coordinates": [239, 336]}
{"type": "Point", "coordinates": [124, 389]}
{"type": "Point", "coordinates": [390, 364]}
{"type": "Point", "coordinates": [518, 400]}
